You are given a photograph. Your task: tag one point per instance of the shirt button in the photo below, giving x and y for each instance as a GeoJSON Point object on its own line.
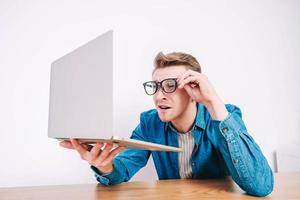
{"type": "Point", "coordinates": [225, 130]}
{"type": "Point", "coordinates": [235, 161]}
{"type": "Point", "coordinates": [193, 164]}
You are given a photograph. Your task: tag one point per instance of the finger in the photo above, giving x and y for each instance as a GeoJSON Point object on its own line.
{"type": "Point", "coordinates": [111, 155]}
{"type": "Point", "coordinates": [190, 79]}
{"type": "Point", "coordinates": [187, 74]}
{"type": "Point", "coordinates": [191, 92]}
{"type": "Point", "coordinates": [96, 150]}
{"type": "Point", "coordinates": [80, 149]}
{"type": "Point", "coordinates": [104, 152]}
{"type": "Point", "coordinates": [87, 146]}
{"type": "Point", "coordinates": [188, 89]}
{"type": "Point", "coordinates": [66, 144]}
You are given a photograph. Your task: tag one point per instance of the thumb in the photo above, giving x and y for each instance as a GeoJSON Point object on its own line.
{"type": "Point", "coordinates": [189, 90]}
{"type": "Point", "coordinates": [66, 144]}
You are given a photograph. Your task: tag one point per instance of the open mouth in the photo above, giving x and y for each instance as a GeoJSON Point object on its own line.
{"type": "Point", "coordinates": [163, 107]}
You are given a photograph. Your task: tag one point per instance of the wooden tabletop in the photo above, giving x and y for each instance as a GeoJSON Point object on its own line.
{"type": "Point", "coordinates": [287, 187]}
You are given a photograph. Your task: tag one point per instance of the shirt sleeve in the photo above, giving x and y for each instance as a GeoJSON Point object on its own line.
{"type": "Point", "coordinates": [243, 157]}
{"type": "Point", "coordinates": [127, 163]}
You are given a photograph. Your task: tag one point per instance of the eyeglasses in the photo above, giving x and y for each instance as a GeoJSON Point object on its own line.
{"type": "Point", "coordinates": [168, 85]}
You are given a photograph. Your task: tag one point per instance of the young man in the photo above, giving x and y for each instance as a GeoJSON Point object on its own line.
{"type": "Point", "coordinates": [189, 114]}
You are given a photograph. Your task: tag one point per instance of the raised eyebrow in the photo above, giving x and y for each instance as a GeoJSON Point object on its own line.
{"type": "Point", "coordinates": [155, 81]}
{"type": "Point", "coordinates": [170, 79]}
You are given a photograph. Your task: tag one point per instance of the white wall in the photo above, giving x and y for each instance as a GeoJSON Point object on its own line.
{"type": "Point", "coordinates": [250, 50]}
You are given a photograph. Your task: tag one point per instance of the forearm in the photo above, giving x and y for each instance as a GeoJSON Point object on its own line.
{"type": "Point", "coordinates": [216, 109]}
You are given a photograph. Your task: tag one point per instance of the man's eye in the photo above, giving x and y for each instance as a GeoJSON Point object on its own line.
{"type": "Point", "coordinates": [170, 84]}
{"type": "Point", "coordinates": [152, 86]}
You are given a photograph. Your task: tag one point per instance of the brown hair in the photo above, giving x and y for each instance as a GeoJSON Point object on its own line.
{"type": "Point", "coordinates": [176, 58]}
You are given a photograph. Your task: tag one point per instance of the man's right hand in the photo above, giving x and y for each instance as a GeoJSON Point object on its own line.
{"type": "Point", "coordinates": [101, 159]}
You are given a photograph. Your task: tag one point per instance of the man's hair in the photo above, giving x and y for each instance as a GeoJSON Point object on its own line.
{"type": "Point", "coordinates": [176, 58]}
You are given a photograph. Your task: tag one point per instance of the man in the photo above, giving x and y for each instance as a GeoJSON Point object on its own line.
{"type": "Point", "coordinates": [189, 114]}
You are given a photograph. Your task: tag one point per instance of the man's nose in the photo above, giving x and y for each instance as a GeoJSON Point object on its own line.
{"type": "Point", "coordinates": [159, 94]}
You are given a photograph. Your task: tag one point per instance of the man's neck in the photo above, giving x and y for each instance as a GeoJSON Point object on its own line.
{"type": "Point", "coordinates": [184, 123]}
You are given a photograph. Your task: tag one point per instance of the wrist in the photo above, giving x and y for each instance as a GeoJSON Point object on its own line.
{"type": "Point", "coordinates": [105, 170]}
{"type": "Point", "coordinates": [217, 109]}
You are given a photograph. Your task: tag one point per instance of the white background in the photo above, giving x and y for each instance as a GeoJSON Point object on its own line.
{"type": "Point", "coordinates": [250, 50]}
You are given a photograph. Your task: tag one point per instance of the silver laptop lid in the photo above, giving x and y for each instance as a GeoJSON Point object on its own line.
{"type": "Point", "coordinates": [81, 91]}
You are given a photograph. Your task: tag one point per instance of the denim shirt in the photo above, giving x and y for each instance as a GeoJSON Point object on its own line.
{"type": "Point", "coordinates": [221, 148]}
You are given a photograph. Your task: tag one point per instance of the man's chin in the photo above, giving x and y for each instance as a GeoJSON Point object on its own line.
{"type": "Point", "coordinates": [164, 118]}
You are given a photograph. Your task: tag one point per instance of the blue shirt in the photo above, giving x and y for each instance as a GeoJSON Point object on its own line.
{"type": "Point", "coordinates": [221, 148]}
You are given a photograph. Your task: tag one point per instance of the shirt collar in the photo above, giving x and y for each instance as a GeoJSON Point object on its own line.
{"type": "Point", "coordinates": [200, 117]}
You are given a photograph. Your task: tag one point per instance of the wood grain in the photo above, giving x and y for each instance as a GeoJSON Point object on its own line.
{"type": "Point", "coordinates": [287, 187]}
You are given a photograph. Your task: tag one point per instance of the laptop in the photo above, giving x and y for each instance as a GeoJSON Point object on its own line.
{"type": "Point", "coordinates": [81, 97]}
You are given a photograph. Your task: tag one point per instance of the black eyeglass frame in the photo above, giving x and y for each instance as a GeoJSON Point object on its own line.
{"type": "Point", "coordinates": [160, 85]}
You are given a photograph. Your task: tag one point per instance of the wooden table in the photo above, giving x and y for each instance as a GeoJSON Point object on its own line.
{"type": "Point", "coordinates": [287, 186]}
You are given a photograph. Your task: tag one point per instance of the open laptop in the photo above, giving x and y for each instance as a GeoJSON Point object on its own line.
{"type": "Point", "coordinates": [81, 97]}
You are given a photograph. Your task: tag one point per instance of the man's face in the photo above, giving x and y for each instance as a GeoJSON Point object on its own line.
{"type": "Point", "coordinates": [170, 106]}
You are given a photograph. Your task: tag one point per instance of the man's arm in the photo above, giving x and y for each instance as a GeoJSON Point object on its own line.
{"type": "Point", "coordinates": [125, 164]}
{"type": "Point", "coordinates": [243, 157]}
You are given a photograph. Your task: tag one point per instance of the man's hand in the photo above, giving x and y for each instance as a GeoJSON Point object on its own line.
{"type": "Point", "coordinates": [201, 90]}
{"type": "Point", "coordinates": [101, 159]}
